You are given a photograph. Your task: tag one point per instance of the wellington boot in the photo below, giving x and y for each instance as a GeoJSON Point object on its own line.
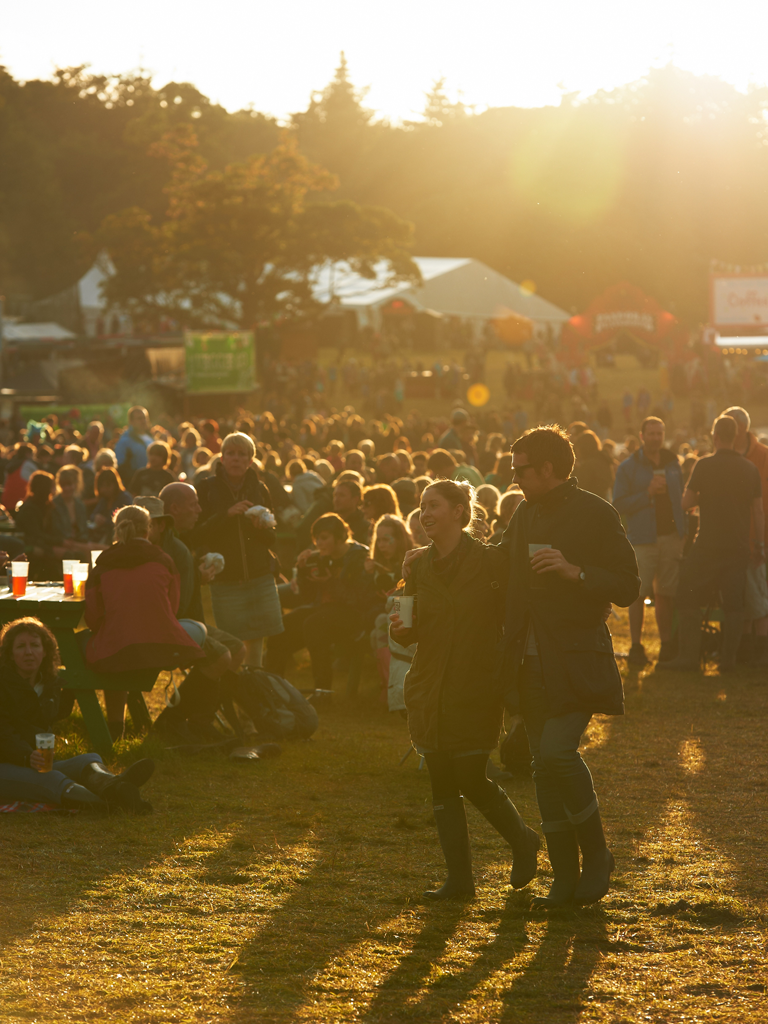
{"type": "Point", "coordinates": [504, 817]}
{"type": "Point", "coordinates": [563, 850]}
{"type": "Point", "coordinates": [452, 829]}
{"type": "Point", "coordinates": [79, 798]}
{"type": "Point", "coordinates": [689, 645]}
{"type": "Point", "coordinates": [732, 632]}
{"type": "Point", "coordinates": [121, 790]}
{"type": "Point", "coordinates": [597, 861]}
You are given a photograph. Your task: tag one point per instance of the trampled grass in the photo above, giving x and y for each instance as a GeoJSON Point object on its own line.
{"type": "Point", "coordinates": [288, 890]}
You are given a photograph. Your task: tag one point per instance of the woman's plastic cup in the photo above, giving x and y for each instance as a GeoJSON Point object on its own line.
{"type": "Point", "coordinates": [79, 576]}
{"type": "Point", "coordinates": [20, 572]}
{"type": "Point", "coordinates": [403, 606]}
{"type": "Point", "coordinates": [46, 742]}
{"type": "Point", "coordinates": [94, 556]}
{"type": "Point", "coordinates": [66, 571]}
{"type": "Point", "coordinates": [537, 582]}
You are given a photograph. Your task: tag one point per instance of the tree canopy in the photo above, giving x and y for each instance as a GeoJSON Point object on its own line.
{"type": "Point", "coordinates": [648, 182]}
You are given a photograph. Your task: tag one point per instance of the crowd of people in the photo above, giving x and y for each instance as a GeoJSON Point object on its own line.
{"type": "Point", "coordinates": [309, 535]}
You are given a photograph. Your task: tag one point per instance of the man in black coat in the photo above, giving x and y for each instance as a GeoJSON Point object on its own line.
{"type": "Point", "coordinates": [569, 561]}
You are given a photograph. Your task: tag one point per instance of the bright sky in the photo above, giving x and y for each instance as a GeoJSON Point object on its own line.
{"type": "Point", "coordinates": [273, 53]}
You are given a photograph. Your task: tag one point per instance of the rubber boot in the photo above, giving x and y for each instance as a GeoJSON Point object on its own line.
{"type": "Point", "coordinates": [452, 829]}
{"type": "Point", "coordinates": [689, 644]}
{"type": "Point", "coordinates": [597, 861]}
{"type": "Point", "coordinates": [761, 651]}
{"type": "Point", "coordinates": [121, 790]}
{"type": "Point", "coordinates": [732, 632]}
{"type": "Point", "coordinates": [77, 797]}
{"type": "Point", "coordinates": [563, 851]}
{"type": "Point", "coordinates": [504, 817]}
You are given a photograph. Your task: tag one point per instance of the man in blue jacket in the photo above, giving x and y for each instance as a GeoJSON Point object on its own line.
{"type": "Point", "coordinates": [647, 493]}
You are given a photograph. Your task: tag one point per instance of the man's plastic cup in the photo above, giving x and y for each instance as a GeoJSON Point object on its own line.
{"type": "Point", "coordinates": [403, 606]}
{"type": "Point", "coordinates": [66, 571]}
{"type": "Point", "coordinates": [20, 572]}
{"type": "Point", "coordinates": [537, 582]}
{"type": "Point", "coordinates": [94, 556]}
{"type": "Point", "coordinates": [79, 576]}
{"type": "Point", "coordinates": [45, 742]}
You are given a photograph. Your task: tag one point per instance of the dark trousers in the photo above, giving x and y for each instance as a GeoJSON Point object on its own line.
{"type": "Point", "coordinates": [317, 628]}
{"type": "Point", "coordinates": [454, 775]}
{"type": "Point", "coordinates": [563, 782]}
{"type": "Point", "coordinates": [17, 783]}
{"type": "Point", "coordinates": [708, 576]}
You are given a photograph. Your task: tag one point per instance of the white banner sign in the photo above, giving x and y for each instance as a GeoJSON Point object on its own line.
{"type": "Point", "coordinates": [739, 301]}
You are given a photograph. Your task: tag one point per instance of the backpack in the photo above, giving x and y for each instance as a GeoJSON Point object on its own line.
{"type": "Point", "coordinates": [276, 708]}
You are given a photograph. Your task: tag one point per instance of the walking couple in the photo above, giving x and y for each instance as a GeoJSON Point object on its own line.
{"type": "Point", "coordinates": [520, 625]}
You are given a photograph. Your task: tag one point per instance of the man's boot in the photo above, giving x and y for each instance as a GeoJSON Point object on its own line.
{"type": "Point", "coordinates": [563, 851]}
{"type": "Point", "coordinates": [452, 829]}
{"type": "Point", "coordinates": [504, 817]}
{"type": "Point", "coordinates": [689, 643]}
{"type": "Point", "coordinates": [78, 798]}
{"type": "Point", "coordinates": [597, 861]}
{"type": "Point", "coordinates": [121, 790]}
{"type": "Point", "coordinates": [732, 631]}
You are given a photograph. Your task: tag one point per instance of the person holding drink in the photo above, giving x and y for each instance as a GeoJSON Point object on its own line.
{"type": "Point", "coordinates": [455, 593]}
{"type": "Point", "coordinates": [31, 701]}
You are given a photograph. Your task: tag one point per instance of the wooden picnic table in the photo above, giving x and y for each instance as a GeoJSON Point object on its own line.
{"type": "Point", "coordinates": [63, 615]}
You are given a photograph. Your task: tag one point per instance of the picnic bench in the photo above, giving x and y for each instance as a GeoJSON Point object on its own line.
{"type": "Point", "coordinates": [63, 615]}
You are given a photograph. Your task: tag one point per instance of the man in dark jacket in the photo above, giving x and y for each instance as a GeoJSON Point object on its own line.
{"type": "Point", "coordinates": [569, 560]}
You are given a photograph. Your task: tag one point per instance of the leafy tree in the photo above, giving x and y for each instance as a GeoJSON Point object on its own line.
{"type": "Point", "coordinates": [240, 245]}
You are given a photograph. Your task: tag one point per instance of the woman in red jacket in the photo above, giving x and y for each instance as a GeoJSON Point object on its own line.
{"type": "Point", "coordinates": [131, 600]}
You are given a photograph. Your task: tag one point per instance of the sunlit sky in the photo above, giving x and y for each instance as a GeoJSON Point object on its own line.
{"type": "Point", "coordinates": [495, 52]}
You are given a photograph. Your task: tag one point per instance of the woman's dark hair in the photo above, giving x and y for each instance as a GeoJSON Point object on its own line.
{"type": "Point", "coordinates": [41, 485]}
{"type": "Point", "coordinates": [402, 536]}
{"type": "Point", "coordinates": [352, 486]}
{"type": "Point", "coordinates": [51, 660]}
{"type": "Point", "coordinates": [587, 445]}
{"type": "Point", "coordinates": [107, 476]}
{"type": "Point", "coordinates": [382, 499]}
{"type": "Point", "coordinates": [441, 462]}
{"type": "Point", "coordinates": [458, 492]}
{"type": "Point", "coordinates": [547, 444]}
{"type": "Point", "coordinates": [333, 524]}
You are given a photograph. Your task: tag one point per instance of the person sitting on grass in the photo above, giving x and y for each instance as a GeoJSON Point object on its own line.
{"type": "Point", "coordinates": [31, 701]}
{"type": "Point", "coordinates": [339, 601]}
{"type": "Point", "coordinates": [131, 598]}
{"type": "Point", "coordinates": [155, 475]}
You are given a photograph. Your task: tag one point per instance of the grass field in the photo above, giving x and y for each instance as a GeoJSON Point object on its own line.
{"type": "Point", "coordinates": [288, 890]}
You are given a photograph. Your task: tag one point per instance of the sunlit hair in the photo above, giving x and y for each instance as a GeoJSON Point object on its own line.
{"type": "Point", "coordinates": [105, 477]}
{"type": "Point", "coordinates": [458, 492]}
{"type": "Point", "coordinates": [403, 541]}
{"type": "Point", "coordinates": [381, 500]}
{"type": "Point", "coordinates": [104, 457]}
{"type": "Point", "coordinates": [70, 475]}
{"type": "Point", "coordinates": [724, 429]}
{"type": "Point", "coordinates": [131, 522]}
{"type": "Point", "coordinates": [489, 497]}
{"type": "Point", "coordinates": [190, 434]}
{"type": "Point", "coordinates": [587, 445]}
{"type": "Point", "coordinates": [739, 414]}
{"type": "Point", "coordinates": [333, 524]}
{"type": "Point", "coordinates": [41, 485]}
{"type": "Point", "coordinates": [547, 444]}
{"type": "Point", "coordinates": [51, 660]}
{"type": "Point", "coordinates": [239, 440]}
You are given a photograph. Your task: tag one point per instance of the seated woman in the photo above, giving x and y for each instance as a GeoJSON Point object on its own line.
{"type": "Point", "coordinates": [34, 517]}
{"type": "Point", "coordinates": [110, 496]}
{"type": "Point", "coordinates": [339, 601]}
{"type": "Point", "coordinates": [379, 500]}
{"type": "Point", "coordinates": [68, 513]}
{"type": "Point", "coordinates": [131, 600]}
{"type": "Point", "coordinates": [31, 700]}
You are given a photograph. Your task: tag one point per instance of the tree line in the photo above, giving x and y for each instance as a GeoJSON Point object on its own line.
{"type": "Point", "coordinates": [647, 183]}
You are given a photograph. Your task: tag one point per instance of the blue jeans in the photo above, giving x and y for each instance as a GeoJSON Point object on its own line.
{"type": "Point", "coordinates": [564, 787]}
{"type": "Point", "coordinates": [17, 783]}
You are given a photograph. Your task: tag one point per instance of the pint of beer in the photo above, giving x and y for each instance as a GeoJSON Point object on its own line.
{"type": "Point", "coordinates": [45, 742]}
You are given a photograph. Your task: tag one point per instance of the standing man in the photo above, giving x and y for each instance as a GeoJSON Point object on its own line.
{"type": "Point", "coordinates": [569, 560]}
{"type": "Point", "coordinates": [131, 447]}
{"type": "Point", "coordinates": [753, 646]}
{"type": "Point", "coordinates": [727, 489]}
{"type": "Point", "coordinates": [648, 492]}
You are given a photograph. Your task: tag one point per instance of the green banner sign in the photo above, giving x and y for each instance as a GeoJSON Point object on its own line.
{"type": "Point", "coordinates": [78, 416]}
{"type": "Point", "coordinates": [219, 361]}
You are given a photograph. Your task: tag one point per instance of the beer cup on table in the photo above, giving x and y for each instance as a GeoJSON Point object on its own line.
{"type": "Point", "coordinates": [537, 582]}
{"type": "Point", "coordinates": [45, 743]}
{"type": "Point", "coordinates": [79, 576]}
{"type": "Point", "coordinates": [20, 572]}
{"type": "Point", "coordinates": [67, 567]}
{"type": "Point", "coordinates": [94, 556]}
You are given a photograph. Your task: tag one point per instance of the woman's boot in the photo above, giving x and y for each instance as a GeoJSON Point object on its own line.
{"type": "Point", "coordinates": [121, 790]}
{"type": "Point", "coordinates": [78, 798]}
{"type": "Point", "coordinates": [504, 817]}
{"type": "Point", "coordinates": [452, 829]}
{"type": "Point", "coordinates": [597, 861]}
{"type": "Point", "coordinates": [563, 851]}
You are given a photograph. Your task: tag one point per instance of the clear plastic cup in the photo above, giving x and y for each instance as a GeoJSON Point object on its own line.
{"type": "Point", "coordinates": [79, 576]}
{"type": "Point", "coordinates": [20, 572]}
{"type": "Point", "coordinates": [537, 581]}
{"type": "Point", "coordinates": [46, 742]}
{"type": "Point", "coordinates": [94, 556]}
{"type": "Point", "coordinates": [66, 571]}
{"type": "Point", "coordinates": [403, 606]}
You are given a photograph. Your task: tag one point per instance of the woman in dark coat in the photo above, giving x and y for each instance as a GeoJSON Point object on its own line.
{"type": "Point", "coordinates": [31, 701]}
{"type": "Point", "coordinates": [244, 594]}
{"type": "Point", "coordinates": [454, 708]}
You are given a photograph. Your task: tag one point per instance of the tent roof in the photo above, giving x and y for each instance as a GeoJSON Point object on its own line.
{"type": "Point", "coordinates": [458, 287]}
{"type": "Point", "coordinates": [36, 332]}
{"type": "Point", "coordinates": [89, 285]}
